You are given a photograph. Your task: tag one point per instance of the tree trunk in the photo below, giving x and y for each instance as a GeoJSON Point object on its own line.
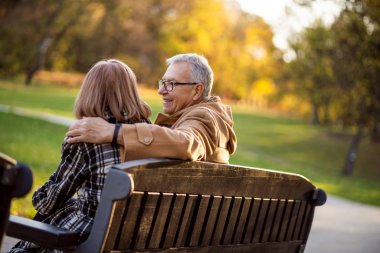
{"type": "Point", "coordinates": [315, 116]}
{"type": "Point", "coordinates": [40, 61]}
{"type": "Point", "coordinates": [49, 37]}
{"type": "Point", "coordinates": [375, 132]}
{"type": "Point", "coordinates": [352, 152]}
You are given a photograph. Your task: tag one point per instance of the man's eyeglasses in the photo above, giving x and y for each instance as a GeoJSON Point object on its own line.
{"type": "Point", "coordinates": [169, 85]}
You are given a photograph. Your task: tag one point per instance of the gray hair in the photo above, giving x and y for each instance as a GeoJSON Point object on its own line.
{"type": "Point", "coordinates": [200, 69]}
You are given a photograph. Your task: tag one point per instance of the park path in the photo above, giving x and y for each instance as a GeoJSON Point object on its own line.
{"type": "Point", "coordinates": [340, 226]}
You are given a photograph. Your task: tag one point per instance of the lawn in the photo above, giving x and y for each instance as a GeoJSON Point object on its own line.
{"type": "Point", "coordinates": [265, 140]}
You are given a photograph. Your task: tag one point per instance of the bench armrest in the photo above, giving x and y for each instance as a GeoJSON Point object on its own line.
{"type": "Point", "coordinates": [40, 233]}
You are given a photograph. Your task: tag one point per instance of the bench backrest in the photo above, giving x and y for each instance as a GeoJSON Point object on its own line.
{"type": "Point", "coordinates": [16, 180]}
{"type": "Point", "coordinates": [173, 205]}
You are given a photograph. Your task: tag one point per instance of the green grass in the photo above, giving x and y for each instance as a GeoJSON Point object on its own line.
{"type": "Point", "coordinates": [315, 152]}
{"type": "Point", "coordinates": [34, 142]}
{"type": "Point", "coordinates": [41, 97]}
{"type": "Point", "coordinates": [58, 100]}
{"type": "Point", "coordinates": [265, 140]}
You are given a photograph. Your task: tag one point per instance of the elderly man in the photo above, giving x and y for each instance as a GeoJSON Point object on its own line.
{"type": "Point", "coordinates": [194, 126]}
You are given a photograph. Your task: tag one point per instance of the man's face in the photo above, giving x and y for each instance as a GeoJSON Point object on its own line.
{"type": "Point", "coordinates": [181, 96]}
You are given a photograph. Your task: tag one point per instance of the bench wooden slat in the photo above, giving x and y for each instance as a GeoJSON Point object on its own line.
{"type": "Point", "coordinates": [277, 220]}
{"type": "Point", "coordinates": [173, 223]}
{"type": "Point", "coordinates": [186, 218]}
{"type": "Point", "coordinates": [232, 220]}
{"type": "Point", "coordinates": [149, 208]}
{"type": "Point", "coordinates": [241, 224]}
{"type": "Point", "coordinates": [161, 218]}
{"type": "Point", "coordinates": [210, 220]}
{"type": "Point", "coordinates": [199, 220]}
{"type": "Point", "coordinates": [307, 221]}
{"type": "Point", "coordinates": [301, 214]}
{"type": "Point", "coordinates": [221, 220]}
{"type": "Point", "coordinates": [280, 247]}
{"type": "Point", "coordinates": [264, 207]}
{"type": "Point", "coordinates": [269, 221]}
{"type": "Point", "coordinates": [285, 220]}
{"type": "Point", "coordinates": [252, 220]}
{"type": "Point", "coordinates": [293, 219]}
{"type": "Point", "coordinates": [116, 224]}
{"type": "Point", "coordinates": [132, 214]}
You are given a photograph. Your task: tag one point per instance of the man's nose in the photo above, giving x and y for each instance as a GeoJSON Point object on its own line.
{"type": "Point", "coordinates": [161, 90]}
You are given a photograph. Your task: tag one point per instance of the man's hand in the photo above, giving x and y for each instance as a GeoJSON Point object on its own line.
{"type": "Point", "coordinates": [93, 130]}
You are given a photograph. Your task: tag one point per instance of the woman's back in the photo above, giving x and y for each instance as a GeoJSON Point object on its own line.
{"type": "Point", "coordinates": [70, 197]}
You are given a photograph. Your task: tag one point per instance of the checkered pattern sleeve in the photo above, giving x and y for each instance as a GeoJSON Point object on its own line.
{"type": "Point", "coordinates": [63, 184]}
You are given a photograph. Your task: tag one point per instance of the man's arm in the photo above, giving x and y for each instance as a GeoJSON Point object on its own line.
{"type": "Point", "coordinates": [93, 130]}
{"type": "Point", "coordinates": [144, 141]}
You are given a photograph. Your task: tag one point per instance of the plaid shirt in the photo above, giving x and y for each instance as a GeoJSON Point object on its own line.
{"type": "Point", "coordinates": [82, 171]}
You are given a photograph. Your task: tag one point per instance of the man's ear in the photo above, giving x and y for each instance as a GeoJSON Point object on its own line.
{"type": "Point", "coordinates": [198, 91]}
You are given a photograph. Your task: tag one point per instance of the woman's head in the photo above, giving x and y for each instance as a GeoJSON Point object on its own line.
{"type": "Point", "coordinates": [110, 86]}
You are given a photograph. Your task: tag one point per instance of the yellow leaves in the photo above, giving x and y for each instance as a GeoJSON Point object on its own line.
{"type": "Point", "coordinates": [295, 105]}
{"type": "Point", "coordinates": [262, 90]}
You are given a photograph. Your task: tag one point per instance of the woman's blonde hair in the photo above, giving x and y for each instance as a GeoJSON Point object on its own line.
{"type": "Point", "coordinates": [111, 87]}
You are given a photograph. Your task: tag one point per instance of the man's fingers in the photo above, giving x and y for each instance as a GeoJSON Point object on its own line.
{"type": "Point", "coordinates": [72, 133]}
{"type": "Point", "coordinates": [90, 130]}
{"type": "Point", "coordinates": [77, 124]}
{"type": "Point", "coordinates": [75, 139]}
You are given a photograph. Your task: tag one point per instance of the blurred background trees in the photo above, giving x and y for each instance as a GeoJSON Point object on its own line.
{"type": "Point", "coordinates": [333, 77]}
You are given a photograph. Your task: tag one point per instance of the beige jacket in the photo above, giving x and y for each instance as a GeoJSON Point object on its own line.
{"type": "Point", "coordinates": [199, 132]}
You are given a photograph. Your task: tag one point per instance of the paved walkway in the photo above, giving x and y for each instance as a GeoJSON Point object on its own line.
{"type": "Point", "coordinates": [343, 226]}
{"type": "Point", "coordinates": [39, 115]}
{"type": "Point", "coordinates": [340, 226]}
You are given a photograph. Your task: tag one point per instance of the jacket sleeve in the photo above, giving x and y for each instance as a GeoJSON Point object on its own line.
{"type": "Point", "coordinates": [63, 184]}
{"type": "Point", "coordinates": [193, 139]}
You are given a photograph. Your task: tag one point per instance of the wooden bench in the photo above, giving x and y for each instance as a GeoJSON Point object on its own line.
{"type": "Point", "coordinates": [163, 205]}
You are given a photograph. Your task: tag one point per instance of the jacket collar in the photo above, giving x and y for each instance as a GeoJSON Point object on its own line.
{"type": "Point", "coordinates": [169, 120]}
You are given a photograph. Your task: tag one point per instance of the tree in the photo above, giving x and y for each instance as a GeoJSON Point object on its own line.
{"type": "Point", "coordinates": [353, 53]}
{"type": "Point", "coordinates": [312, 69]}
{"type": "Point", "coordinates": [48, 24]}
{"type": "Point", "coordinates": [356, 66]}
{"type": "Point", "coordinates": [71, 35]}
